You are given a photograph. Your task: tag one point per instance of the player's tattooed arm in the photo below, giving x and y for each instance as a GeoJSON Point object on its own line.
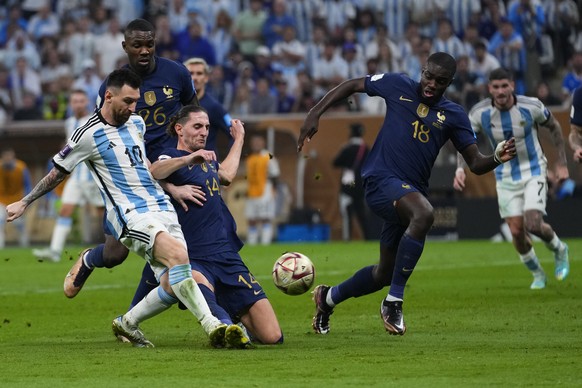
{"type": "Point", "coordinates": [557, 138]}
{"type": "Point", "coordinates": [46, 184]}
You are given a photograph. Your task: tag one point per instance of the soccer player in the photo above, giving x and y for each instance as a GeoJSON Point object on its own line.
{"type": "Point", "coordinates": [216, 264]}
{"type": "Point", "coordinates": [575, 137]}
{"type": "Point", "coordinates": [166, 87]}
{"type": "Point", "coordinates": [14, 184]}
{"type": "Point", "coordinates": [80, 188]}
{"type": "Point", "coordinates": [419, 121]}
{"type": "Point", "coordinates": [522, 186]}
{"type": "Point", "coordinates": [139, 214]}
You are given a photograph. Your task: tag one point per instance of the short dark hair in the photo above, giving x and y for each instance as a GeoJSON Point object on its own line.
{"type": "Point", "coordinates": [118, 78]}
{"type": "Point", "coordinates": [500, 73]}
{"type": "Point", "coordinates": [139, 25]}
{"type": "Point", "coordinates": [181, 117]}
{"type": "Point", "coordinates": [444, 60]}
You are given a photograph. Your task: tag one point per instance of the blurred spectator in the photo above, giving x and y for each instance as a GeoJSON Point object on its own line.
{"type": "Point", "coordinates": [462, 13]}
{"type": "Point", "coordinates": [262, 102]}
{"type": "Point", "coordinates": [89, 81]}
{"type": "Point", "coordinates": [72, 9]}
{"type": "Point", "coordinates": [276, 23]}
{"type": "Point", "coordinates": [110, 48]}
{"type": "Point", "coordinates": [304, 12]}
{"type": "Point", "coordinates": [446, 40]}
{"type": "Point", "coordinates": [263, 68]}
{"type": "Point", "coordinates": [573, 78]}
{"type": "Point", "coordinates": [426, 13]}
{"type": "Point", "coordinates": [245, 75]}
{"type": "Point", "coordinates": [5, 97]}
{"type": "Point", "coordinates": [127, 10]}
{"type": "Point", "coordinates": [467, 87]}
{"type": "Point", "coordinates": [214, 7]}
{"type": "Point", "coordinates": [372, 48]}
{"type": "Point", "coordinates": [314, 48]}
{"type": "Point", "coordinates": [248, 27]}
{"type": "Point", "coordinates": [349, 37]}
{"type": "Point", "coordinates": [545, 95]}
{"type": "Point", "coordinates": [191, 43]}
{"type": "Point", "coordinates": [305, 93]}
{"type": "Point", "coordinates": [101, 21]}
{"type": "Point", "coordinates": [54, 102]}
{"type": "Point", "coordinates": [69, 28]}
{"type": "Point", "coordinates": [408, 43]}
{"type": "Point", "coordinates": [365, 25]}
{"type": "Point", "coordinates": [220, 88]}
{"type": "Point", "coordinates": [483, 62]}
{"type": "Point", "coordinates": [29, 109]}
{"type": "Point", "coordinates": [178, 16]}
{"type": "Point", "coordinates": [23, 78]}
{"type": "Point", "coordinates": [241, 105]}
{"type": "Point", "coordinates": [490, 21]}
{"type": "Point", "coordinates": [387, 63]}
{"type": "Point", "coordinates": [289, 56]}
{"type": "Point", "coordinates": [396, 17]}
{"type": "Point", "coordinates": [81, 45]}
{"type": "Point", "coordinates": [336, 15]}
{"type": "Point", "coordinates": [13, 22]}
{"type": "Point", "coordinates": [221, 37]}
{"type": "Point", "coordinates": [285, 100]}
{"type": "Point", "coordinates": [330, 70]}
{"type": "Point", "coordinates": [470, 39]}
{"type": "Point", "coordinates": [508, 47]}
{"type": "Point", "coordinates": [19, 45]}
{"type": "Point", "coordinates": [164, 38]}
{"type": "Point", "coordinates": [562, 18]}
{"type": "Point", "coordinates": [44, 23]}
{"type": "Point", "coordinates": [356, 66]}
{"type": "Point", "coordinates": [371, 104]}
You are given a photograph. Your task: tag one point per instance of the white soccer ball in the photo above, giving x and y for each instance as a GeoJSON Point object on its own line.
{"type": "Point", "coordinates": [293, 273]}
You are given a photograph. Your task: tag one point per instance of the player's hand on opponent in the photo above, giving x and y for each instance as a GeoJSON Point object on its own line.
{"type": "Point", "coordinates": [201, 156]}
{"type": "Point", "coordinates": [186, 193]}
{"type": "Point", "coordinates": [459, 180]}
{"type": "Point", "coordinates": [308, 130]}
{"type": "Point", "coordinates": [237, 129]}
{"type": "Point", "coordinates": [15, 210]}
{"type": "Point", "coordinates": [561, 173]}
{"type": "Point", "coordinates": [505, 151]}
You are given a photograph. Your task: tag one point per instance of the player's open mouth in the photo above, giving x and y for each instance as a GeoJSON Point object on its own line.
{"type": "Point", "coordinates": [428, 93]}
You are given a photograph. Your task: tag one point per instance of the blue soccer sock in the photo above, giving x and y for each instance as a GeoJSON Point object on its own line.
{"type": "Point", "coordinates": [216, 310]}
{"type": "Point", "coordinates": [361, 283]}
{"type": "Point", "coordinates": [409, 251]}
{"type": "Point", "coordinates": [94, 258]}
{"type": "Point", "coordinates": [147, 283]}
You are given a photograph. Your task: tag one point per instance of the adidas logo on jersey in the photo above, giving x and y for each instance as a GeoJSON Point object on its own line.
{"type": "Point", "coordinates": [111, 145]}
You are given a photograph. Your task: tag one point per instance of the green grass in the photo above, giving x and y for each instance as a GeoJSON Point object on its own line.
{"type": "Point", "coordinates": [472, 321]}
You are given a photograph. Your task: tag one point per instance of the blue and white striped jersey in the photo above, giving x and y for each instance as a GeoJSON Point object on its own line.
{"type": "Point", "coordinates": [116, 158]}
{"type": "Point", "coordinates": [521, 122]}
{"type": "Point", "coordinates": [81, 173]}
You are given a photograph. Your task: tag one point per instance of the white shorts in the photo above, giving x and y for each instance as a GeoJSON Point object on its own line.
{"type": "Point", "coordinates": [82, 192]}
{"type": "Point", "coordinates": [262, 208]}
{"type": "Point", "coordinates": [514, 198]}
{"type": "Point", "coordinates": [142, 231]}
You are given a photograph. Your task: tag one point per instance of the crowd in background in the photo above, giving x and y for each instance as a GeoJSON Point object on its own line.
{"type": "Point", "coordinates": [281, 56]}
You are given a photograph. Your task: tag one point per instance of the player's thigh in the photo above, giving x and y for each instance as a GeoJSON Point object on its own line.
{"type": "Point", "coordinates": [510, 198]}
{"type": "Point", "coordinates": [536, 194]}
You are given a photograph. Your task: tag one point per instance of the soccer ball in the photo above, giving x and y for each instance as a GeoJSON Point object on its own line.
{"type": "Point", "coordinates": [293, 273]}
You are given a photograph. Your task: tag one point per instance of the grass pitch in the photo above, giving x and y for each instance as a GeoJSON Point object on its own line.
{"type": "Point", "coordinates": [472, 321]}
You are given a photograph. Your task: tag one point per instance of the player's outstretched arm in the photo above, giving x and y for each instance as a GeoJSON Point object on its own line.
{"type": "Point", "coordinates": [163, 168]}
{"type": "Point", "coordinates": [343, 90]}
{"type": "Point", "coordinates": [46, 184]}
{"type": "Point", "coordinates": [229, 167]}
{"type": "Point", "coordinates": [480, 164]}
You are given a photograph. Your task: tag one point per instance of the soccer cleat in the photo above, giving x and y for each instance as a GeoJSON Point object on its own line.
{"type": "Point", "coordinates": [391, 313]}
{"type": "Point", "coordinates": [320, 322]}
{"type": "Point", "coordinates": [235, 338]}
{"type": "Point", "coordinates": [217, 335]}
{"type": "Point", "coordinates": [77, 276]}
{"type": "Point", "coordinates": [562, 266]}
{"type": "Point", "coordinates": [122, 329]}
{"type": "Point", "coordinates": [539, 281]}
{"type": "Point", "coordinates": [46, 254]}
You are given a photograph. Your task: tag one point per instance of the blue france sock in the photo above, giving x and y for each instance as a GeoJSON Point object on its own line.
{"type": "Point", "coordinates": [94, 258]}
{"type": "Point", "coordinates": [361, 283]}
{"type": "Point", "coordinates": [147, 283]}
{"type": "Point", "coordinates": [217, 311]}
{"type": "Point", "coordinates": [409, 251]}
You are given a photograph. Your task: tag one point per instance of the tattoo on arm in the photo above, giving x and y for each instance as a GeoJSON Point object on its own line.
{"type": "Point", "coordinates": [556, 131]}
{"type": "Point", "coordinates": [46, 184]}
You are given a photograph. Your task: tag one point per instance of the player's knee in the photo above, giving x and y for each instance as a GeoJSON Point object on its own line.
{"type": "Point", "coordinates": [273, 337]}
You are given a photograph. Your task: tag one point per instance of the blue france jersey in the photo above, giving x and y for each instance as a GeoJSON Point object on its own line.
{"type": "Point", "coordinates": [116, 158]}
{"type": "Point", "coordinates": [576, 110]}
{"type": "Point", "coordinates": [412, 133]}
{"type": "Point", "coordinates": [204, 227]}
{"type": "Point", "coordinates": [162, 94]}
{"type": "Point", "coordinates": [521, 122]}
